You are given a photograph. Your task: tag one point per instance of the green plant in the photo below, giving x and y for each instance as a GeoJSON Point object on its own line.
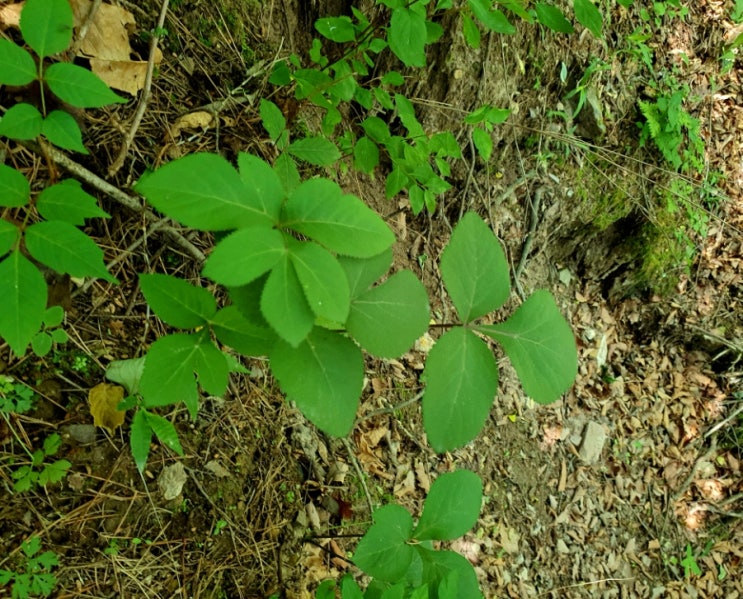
{"type": "Point", "coordinates": [57, 242]}
{"type": "Point", "coordinates": [689, 563]}
{"type": "Point", "coordinates": [15, 397]}
{"type": "Point", "coordinates": [33, 576]}
{"type": "Point", "coordinates": [38, 471]}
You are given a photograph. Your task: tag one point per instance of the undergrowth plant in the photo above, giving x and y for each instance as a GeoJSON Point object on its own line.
{"type": "Point", "coordinates": [32, 577]}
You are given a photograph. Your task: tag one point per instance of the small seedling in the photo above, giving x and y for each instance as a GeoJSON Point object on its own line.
{"type": "Point", "coordinates": [33, 576]}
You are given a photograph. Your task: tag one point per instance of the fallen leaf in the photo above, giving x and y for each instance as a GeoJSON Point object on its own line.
{"type": "Point", "coordinates": [10, 15]}
{"type": "Point", "coordinates": [104, 399]}
{"type": "Point", "coordinates": [171, 480]}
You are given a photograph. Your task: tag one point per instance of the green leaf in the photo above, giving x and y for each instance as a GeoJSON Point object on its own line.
{"type": "Point", "coordinates": [540, 344]}
{"type": "Point", "coordinates": [336, 29]}
{"type": "Point", "coordinates": [204, 192]}
{"type": "Point", "coordinates": [165, 431]}
{"type": "Point", "coordinates": [365, 155]}
{"type": "Point", "coordinates": [236, 331]}
{"type": "Point", "coordinates": [273, 119]}
{"type": "Point", "coordinates": [406, 112]}
{"type": "Point", "coordinates": [8, 236]}
{"type": "Point", "coordinates": [589, 16]}
{"type": "Point", "coordinates": [60, 128]}
{"type": "Point", "coordinates": [483, 142]}
{"type": "Point", "coordinates": [247, 298]}
{"type": "Point", "coordinates": [349, 589]}
{"type": "Point", "coordinates": [17, 67]}
{"type": "Point", "coordinates": [127, 373]}
{"type": "Point", "coordinates": [79, 87]}
{"type": "Point", "coordinates": [284, 306]}
{"type": "Point", "coordinates": [169, 369]}
{"type": "Point", "coordinates": [362, 272]}
{"type": "Point", "coordinates": [177, 302]}
{"type": "Point", "coordinates": [407, 36]}
{"type": "Point", "coordinates": [262, 181]}
{"type": "Point", "coordinates": [384, 552]}
{"type": "Point", "coordinates": [376, 129]}
{"type": "Point", "coordinates": [46, 26]}
{"type": "Point", "coordinates": [53, 316]}
{"type": "Point", "coordinates": [66, 201]}
{"type": "Point", "coordinates": [493, 19]}
{"type": "Point", "coordinates": [323, 281]}
{"type": "Point", "coordinates": [59, 336]}
{"type": "Point", "coordinates": [66, 249]}
{"type": "Point", "coordinates": [440, 566]}
{"type": "Point", "coordinates": [471, 32]}
{"type": "Point", "coordinates": [552, 17]}
{"type": "Point", "coordinates": [319, 151]}
{"type": "Point", "coordinates": [286, 171]}
{"type": "Point", "coordinates": [21, 121]}
{"type": "Point", "coordinates": [451, 508]}
{"type": "Point", "coordinates": [24, 294]}
{"type": "Point", "coordinates": [344, 83]}
{"type": "Point", "coordinates": [245, 255]}
{"type": "Point", "coordinates": [41, 344]}
{"type": "Point", "coordinates": [342, 223]}
{"type": "Point", "coordinates": [474, 269]}
{"type": "Point", "coordinates": [324, 376]}
{"type": "Point", "coordinates": [461, 379]}
{"type": "Point", "coordinates": [14, 188]}
{"type": "Point", "coordinates": [140, 436]}
{"type": "Point", "coordinates": [387, 319]}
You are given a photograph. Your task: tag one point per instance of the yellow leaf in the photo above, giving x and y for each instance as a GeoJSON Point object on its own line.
{"type": "Point", "coordinates": [103, 399]}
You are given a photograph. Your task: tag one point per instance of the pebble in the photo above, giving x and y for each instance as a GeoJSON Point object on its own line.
{"type": "Point", "coordinates": [594, 437]}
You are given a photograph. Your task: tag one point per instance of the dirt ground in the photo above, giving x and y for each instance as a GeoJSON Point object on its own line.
{"type": "Point", "coordinates": [630, 486]}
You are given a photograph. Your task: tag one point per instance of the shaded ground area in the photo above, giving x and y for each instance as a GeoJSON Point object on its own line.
{"type": "Point", "coordinates": [630, 486]}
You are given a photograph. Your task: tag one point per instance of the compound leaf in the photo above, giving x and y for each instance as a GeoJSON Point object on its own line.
{"type": "Point", "coordinates": [319, 151]}
{"type": "Point", "coordinates": [283, 304]}
{"type": "Point", "coordinates": [17, 67]}
{"type": "Point", "coordinates": [203, 191]}
{"type": "Point", "coordinates": [342, 223]}
{"type": "Point", "coordinates": [407, 36]}
{"type": "Point", "coordinates": [61, 128]}
{"type": "Point", "coordinates": [451, 508]}
{"type": "Point", "coordinates": [540, 344]}
{"type": "Point", "coordinates": [66, 249]}
{"type": "Point", "coordinates": [46, 26]}
{"type": "Point", "coordinates": [21, 121]}
{"type": "Point", "coordinates": [24, 294]}
{"type": "Point", "coordinates": [67, 201]}
{"type": "Point", "coordinates": [384, 552]}
{"type": "Point", "coordinates": [474, 269]}
{"type": "Point", "coordinates": [323, 281]}
{"type": "Point", "coordinates": [79, 87]}
{"type": "Point", "coordinates": [461, 379]}
{"type": "Point", "coordinates": [387, 319]}
{"type": "Point", "coordinates": [362, 272]}
{"type": "Point", "coordinates": [245, 255]}
{"type": "Point", "coordinates": [177, 302]}
{"type": "Point", "coordinates": [14, 188]}
{"type": "Point", "coordinates": [324, 376]}
{"type": "Point", "coordinates": [236, 331]}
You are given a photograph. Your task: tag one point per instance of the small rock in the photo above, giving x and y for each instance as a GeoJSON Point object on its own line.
{"type": "Point", "coordinates": [82, 434]}
{"type": "Point", "coordinates": [171, 480]}
{"type": "Point", "coordinates": [594, 437]}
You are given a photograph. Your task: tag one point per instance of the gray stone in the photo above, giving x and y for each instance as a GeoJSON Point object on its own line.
{"type": "Point", "coordinates": [594, 437]}
{"type": "Point", "coordinates": [82, 434]}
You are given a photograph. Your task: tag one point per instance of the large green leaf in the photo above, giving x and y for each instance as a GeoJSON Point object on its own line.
{"type": "Point", "coordinates": [67, 201]}
{"type": "Point", "coordinates": [407, 36]}
{"type": "Point", "coordinates": [461, 379]}
{"type": "Point", "coordinates": [170, 368]}
{"type": "Point", "coordinates": [363, 272]}
{"type": "Point", "coordinates": [247, 299]}
{"type": "Point", "coordinates": [46, 25]}
{"type": "Point", "coordinates": [61, 128]}
{"type": "Point", "coordinates": [493, 19]}
{"type": "Point", "coordinates": [540, 344]}
{"type": "Point", "coordinates": [79, 87]}
{"type": "Point", "coordinates": [22, 121]}
{"type": "Point", "coordinates": [324, 376]}
{"type": "Point", "coordinates": [319, 151]}
{"type": "Point", "coordinates": [245, 255]}
{"type": "Point", "coordinates": [14, 188]}
{"type": "Point", "coordinates": [66, 249]}
{"type": "Point", "coordinates": [552, 17]}
{"type": "Point", "coordinates": [336, 29]}
{"type": "Point", "coordinates": [474, 269]}
{"type": "Point", "coordinates": [323, 281]}
{"type": "Point", "coordinates": [24, 294]}
{"type": "Point", "coordinates": [444, 568]}
{"type": "Point", "coordinates": [589, 16]}
{"type": "Point", "coordinates": [233, 329]}
{"type": "Point", "coordinates": [177, 302]}
{"type": "Point", "coordinates": [17, 67]}
{"type": "Point", "coordinates": [387, 319]}
{"type": "Point", "coordinates": [204, 192]}
{"type": "Point", "coordinates": [451, 508]}
{"type": "Point", "coordinates": [384, 552]}
{"type": "Point", "coordinates": [8, 236]}
{"type": "Point", "coordinates": [263, 182]}
{"type": "Point", "coordinates": [284, 306]}
{"type": "Point", "coordinates": [342, 223]}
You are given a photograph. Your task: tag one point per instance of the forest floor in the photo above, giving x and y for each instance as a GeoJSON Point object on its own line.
{"type": "Point", "coordinates": [630, 486]}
